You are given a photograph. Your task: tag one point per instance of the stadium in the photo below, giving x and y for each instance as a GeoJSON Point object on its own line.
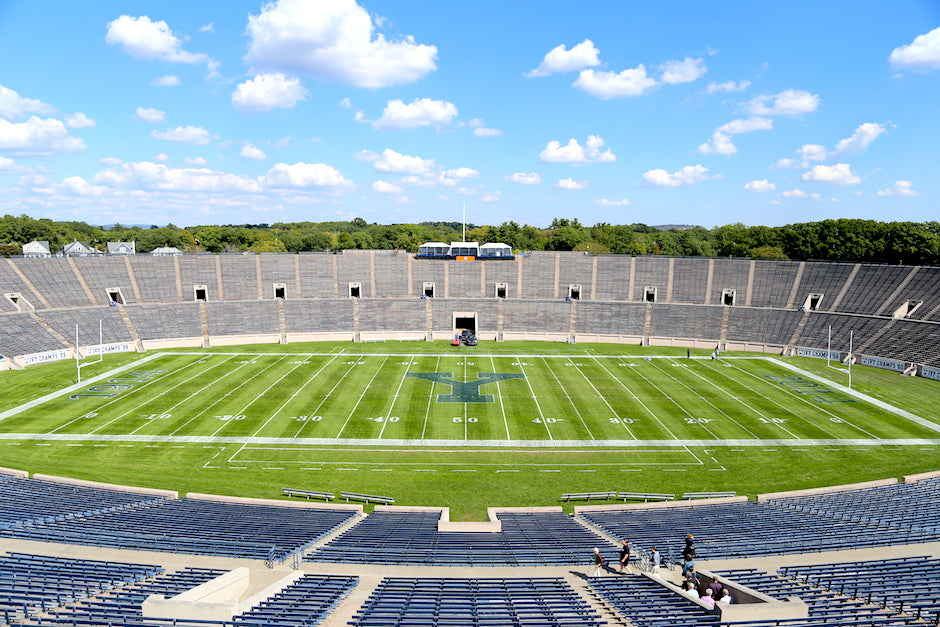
{"type": "Point", "coordinates": [272, 439]}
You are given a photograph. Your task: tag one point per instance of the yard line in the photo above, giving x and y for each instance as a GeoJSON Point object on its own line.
{"type": "Point", "coordinates": [708, 402]}
{"type": "Point", "coordinates": [252, 401]}
{"type": "Point", "coordinates": [329, 394]}
{"type": "Point", "coordinates": [152, 398]}
{"type": "Point", "coordinates": [499, 395]}
{"type": "Point", "coordinates": [603, 398]}
{"type": "Point", "coordinates": [391, 405]}
{"type": "Point", "coordinates": [353, 410]}
{"type": "Point", "coordinates": [427, 411]}
{"type": "Point", "coordinates": [680, 407]}
{"type": "Point", "coordinates": [534, 398]}
{"type": "Point", "coordinates": [788, 410]}
{"type": "Point", "coordinates": [570, 401]}
{"type": "Point", "coordinates": [465, 428]}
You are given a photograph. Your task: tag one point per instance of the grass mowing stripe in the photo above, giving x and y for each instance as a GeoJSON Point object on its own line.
{"type": "Point", "coordinates": [329, 394]}
{"type": "Point", "coordinates": [604, 398]}
{"type": "Point", "coordinates": [535, 398]}
{"type": "Point", "coordinates": [241, 411]}
{"type": "Point", "coordinates": [361, 396]}
{"type": "Point", "coordinates": [427, 411]}
{"type": "Point", "coordinates": [570, 400]}
{"type": "Point", "coordinates": [391, 405]}
{"type": "Point", "coordinates": [502, 406]}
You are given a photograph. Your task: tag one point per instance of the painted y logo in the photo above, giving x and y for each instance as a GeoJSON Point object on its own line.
{"type": "Point", "coordinates": [465, 391]}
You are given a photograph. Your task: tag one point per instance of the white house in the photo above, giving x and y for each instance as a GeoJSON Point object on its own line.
{"type": "Point", "coordinates": [122, 248]}
{"type": "Point", "coordinates": [77, 249]}
{"type": "Point", "coordinates": [36, 248]}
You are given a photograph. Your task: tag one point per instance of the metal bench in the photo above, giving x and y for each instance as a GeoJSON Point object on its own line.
{"type": "Point", "coordinates": [708, 495]}
{"type": "Point", "coordinates": [582, 496]}
{"type": "Point", "coordinates": [645, 496]}
{"type": "Point", "coordinates": [368, 498]}
{"type": "Point", "coordinates": [309, 494]}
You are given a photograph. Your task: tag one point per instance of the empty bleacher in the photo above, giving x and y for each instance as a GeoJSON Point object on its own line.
{"type": "Point", "coordinates": [773, 281]}
{"type": "Point", "coordinates": [613, 277]}
{"type": "Point", "coordinates": [55, 280]}
{"type": "Point", "coordinates": [112, 326]}
{"type": "Point", "coordinates": [872, 285]}
{"type": "Point", "coordinates": [240, 277]}
{"type": "Point", "coordinates": [729, 274]}
{"type": "Point", "coordinates": [764, 326]}
{"type": "Point", "coordinates": [156, 278]}
{"type": "Point", "coordinates": [391, 276]}
{"type": "Point", "coordinates": [823, 278]}
{"type": "Point", "coordinates": [646, 603]}
{"type": "Point", "coordinates": [22, 334]}
{"type": "Point", "coordinates": [537, 317]}
{"type": "Point", "coordinates": [279, 268]}
{"type": "Point", "coordinates": [686, 321]}
{"type": "Point", "coordinates": [199, 270]}
{"type": "Point", "coordinates": [611, 318]}
{"type": "Point", "coordinates": [463, 280]}
{"type": "Point", "coordinates": [11, 283]}
{"type": "Point", "coordinates": [689, 280]}
{"type": "Point", "coordinates": [104, 274]}
{"type": "Point", "coordinates": [165, 321]}
{"type": "Point", "coordinates": [242, 318]}
{"type": "Point", "coordinates": [319, 316]}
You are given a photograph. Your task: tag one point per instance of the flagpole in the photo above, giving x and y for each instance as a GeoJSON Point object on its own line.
{"type": "Point", "coordinates": [851, 340]}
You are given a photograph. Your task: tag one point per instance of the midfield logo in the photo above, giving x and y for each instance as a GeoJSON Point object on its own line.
{"type": "Point", "coordinates": [465, 391]}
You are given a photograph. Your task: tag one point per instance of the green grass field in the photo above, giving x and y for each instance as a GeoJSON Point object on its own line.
{"type": "Point", "coordinates": [495, 425]}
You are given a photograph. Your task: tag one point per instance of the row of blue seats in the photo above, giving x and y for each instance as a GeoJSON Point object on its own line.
{"type": "Point", "coordinates": [648, 604]}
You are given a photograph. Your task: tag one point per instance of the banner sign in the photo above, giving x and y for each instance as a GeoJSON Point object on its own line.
{"type": "Point", "coordinates": [107, 349]}
{"type": "Point", "coordinates": [930, 373]}
{"type": "Point", "coordinates": [818, 353]}
{"type": "Point", "coordinates": [41, 358]}
{"type": "Point", "coordinates": [887, 364]}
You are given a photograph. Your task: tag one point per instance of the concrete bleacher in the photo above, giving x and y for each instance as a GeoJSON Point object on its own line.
{"type": "Point", "coordinates": [389, 272]}
{"type": "Point", "coordinates": [689, 283]}
{"type": "Point", "coordinates": [537, 317]}
{"type": "Point", "coordinates": [12, 283]}
{"type": "Point", "coordinates": [823, 278]}
{"type": "Point", "coordinates": [463, 281]}
{"type": "Point", "coordinates": [319, 316]}
{"type": "Point", "coordinates": [426, 271]}
{"type": "Point", "coordinates": [729, 274]}
{"type": "Point", "coordinates": [762, 326]}
{"type": "Point", "coordinates": [538, 277]}
{"type": "Point", "coordinates": [165, 321]}
{"type": "Point", "coordinates": [871, 286]}
{"type": "Point", "coordinates": [242, 318]}
{"type": "Point", "coordinates": [356, 268]}
{"type": "Point", "coordinates": [156, 278]}
{"type": "Point", "coordinates": [24, 335]}
{"type": "Point", "coordinates": [317, 279]}
{"type": "Point", "coordinates": [652, 272]}
{"type": "Point", "coordinates": [923, 286]}
{"type": "Point", "coordinates": [240, 276]}
{"type": "Point", "coordinates": [618, 319]}
{"type": "Point", "coordinates": [613, 278]}
{"type": "Point", "coordinates": [198, 270]}
{"type": "Point", "coordinates": [686, 321]}
{"type": "Point", "coordinates": [576, 269]}
{"type": "Point", "coordinates": [104, 274]}
{"type": "Point", "coordinates": [112, 326]}
{"type": "Point", "coordinates": [907, 340]}
{"type": "Point", "coordinates": [279, 269]}
{"type": "Point", "coordinates": [773, 281]}
{"type": "Point", "coordinates": [54, 278]}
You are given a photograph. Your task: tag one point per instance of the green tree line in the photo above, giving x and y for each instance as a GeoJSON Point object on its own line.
{"type": "Point", "coordinates": [916, 243]}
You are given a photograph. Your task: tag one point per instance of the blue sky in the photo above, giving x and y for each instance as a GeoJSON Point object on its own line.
{"type": "Point", "coordinates": [663, 113]}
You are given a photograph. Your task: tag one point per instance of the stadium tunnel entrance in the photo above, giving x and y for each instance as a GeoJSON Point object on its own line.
{"type": "Point", "coordinates": [465, 320]}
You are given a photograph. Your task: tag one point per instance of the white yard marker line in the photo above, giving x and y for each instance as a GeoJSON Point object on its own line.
{"type": "Point", "coordinates": [603, 398]}
{"type": "Point", "coordinates": [466, 428]}
{"type": "Point", "coordinates": [534, 398]}
{"type": "Point", "coordinates": [502, 407]}
{"type": "Point", "coordinates": [361, 396]}
{"type": "Point", "coordinates": [329, 394]}
{"type": "Point", "coordinates": [570, 400]}
{"type": "Point", "coordinates": [427, 411]}
{"type": "Point", "coordinates": [638, 399]}
{"type": "Point", "coordinates": [241, 411]}
{"type": "Point", "coordinates": [149, 400]}
{"type": "Point", "coordinates": [708, 402]}
{"type": "Point", "coordinates": [391, 405]}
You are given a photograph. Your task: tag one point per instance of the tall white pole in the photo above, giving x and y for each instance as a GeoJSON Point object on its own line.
{"type": "Point", "coordinates": [829, 346]}
{"type": "Point", "coordinates": [78, 369]}
{"type": "Point", "coordinates": [851, 358]}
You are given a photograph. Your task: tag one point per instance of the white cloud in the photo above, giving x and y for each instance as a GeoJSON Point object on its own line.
{"type": "Point", "coordinates": [863, 136]}
{"type": "Point", "coordinates": [14, 107]}
{"type": "Point", "coordinates": [727, 87]}
{"type": "Point", "coordinates": [900, 188]}
{"type": "Point", "coordinates": [481, 130]}
{"type": "Point", "coordinates": [184, 134]}
{"type": "Point", "coordinates": [333, 41]}
{"type": "Point", "coordinates": [346, 103]}
{"type": "Point", "coordinates": [162, 157]}
{"type": "Point", "coordinates": [207, 28]}
{"type": "Point", "coordinates": [719, 144]}
{"type": "Point", "coordinates": [421, 112]}
{"type": "Point", "coordinates": [491, 196]}
{"type": "Point", "coordinates": [305, 176]}
{"type": "Point", "coordinates": [787, 102]}
{"type": "Point", "coordinates": [37, 137]}
{"type": "Point", "coordinates": [393, 162]}
{"type": "Point", "coordinates": [688, 175]}
{"type": "Point", "coordinates": [195, 161]}
{"type": "Point", "coordinates": [9, 166]}
{"type": "Point", "coordinates": [384, 187]}
{"type": "Point", "coordinates": [604, 202]}
{"type": "Point", "coordinates": [145, 39]}
{"type": "Point", "coordinates": [157, 176]}
{"type": "Point", "coordinates": [812, 152]}
{"type": "Point", "coordinates": [573, 152]}
{"type": "Point", "coordinates": [558, 59]}
{"type": "Point", "coordinates": [736, 127]}
{"type": "Point", "coordinates": [252, 152]}
{"type": "Point", "coordinates": [606, 85]}
{"type": "Point", "coordinates": [838, 174]}
{"type": "Point", "coordinates": [760, 187]}
{"type": "Point", "coordinates": [170, 80]}
{"type": "Point", "coordinates": [463, 173]}
{"type": "Point", "coordinates": [79, 120]}
{"type": "Point", "coordinates": [570, 184]}
{"type": "Point", "coordinates": [524, 178]}
{"type": "Point", "coordinates": [799, 193]}
{"type": "Point", "coordinates": [265, 92]}
{"type": "Point", "coordinates": [110, 161]}
{"type": "Point", "coordinates": [150, 115]}
{"type": "Point", "coordinates": [684, 71]}
{"type": "Point", "coordinates": [921, 54]}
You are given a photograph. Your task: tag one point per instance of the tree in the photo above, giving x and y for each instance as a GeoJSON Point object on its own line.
{"type": "Point", "coordinates": [566, 238]}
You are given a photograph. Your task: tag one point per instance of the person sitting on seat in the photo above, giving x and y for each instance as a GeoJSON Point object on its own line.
{"type": "Point", "coordinates": [708, 599]}
{"type": "Point", "coordinates": [690, 590]}
{"type": "Point", "coordinates": [725, 597]}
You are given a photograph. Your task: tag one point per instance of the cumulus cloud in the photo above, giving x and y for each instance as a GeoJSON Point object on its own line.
{"type": "Point", "coordinates": [838, 174]}
{"type": "Point", "coordinates": [570, 184]}
{"type": "Point", "coordinates": [145, 39]}
{"type": "Point", "coordinates": [207, 28]}
{"type": "Point", "coordinates": [184, 134]}
{"type": "Point", "coordinates": [719, 144]}
{"type": "Point", "coordinates": [607, 85]}
{"type": "Point", "coordinates": [393, 162]}
{"type": "Point", "coordinates": [747, 125]}
{"type": "Point", "coordinates": [171, 80]}
{"type": "Point", "coordinates": [689, 175]}
{"type": "Point", "coordinates": [150, 115]}
{"type": "Point", "coordinates": [384, 187]}
{"type": "Point", "coordinates": [110, 161]}
{"type": "Point", "coordinates": [921, 54]}
{"type": "Point", "coordinates": [305, 176]}
{"type": "Point", "coordinates": [9, 166]}
{"type": "Point", "coordinates": [524, 178]}
{"type": "Point", "coordinates": [480, 129]}
{"type": "Point", "coordinates": [799, 193]}
{"type": "Point", "coordinates": [900, 188]}
{"type": "Point", "coordinates": [195, 161]}
{"type": "Point", "coordinates": [37, 137]}
{"type": "Point", "coordinates": [157, 176]}
{"type": "Point", "coordinates": [79, 120]}
{"type": "Point", "coordinates": [684, 71]}
{"type": "Point", "coordinates": [421, 112]}
{"type": "Point", "coordinates": [334, 41]}
{"type": "Point", "coordinates": [760, 187]}
{"type": "Point", "coordinates": [252, 152]}
{"type": "Point", "coordinates": [604, 202]}
{"type": "Point", "coordinates": [462, 173]}
{"type": "Point", "coordinates": [727, 87]}
{"type": "Point", "coordinates": [787, 102]}
{"type": "Point", "coordinates": [15, 107]}
{"type": "Point", "coordinates": [858, 143]}
{"type": "Point", "coordinates": [574, 153]}
{"type": "Point", "coordinates": [266, 92]}
{"type": "Point", "coordinates": [559, 59]}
